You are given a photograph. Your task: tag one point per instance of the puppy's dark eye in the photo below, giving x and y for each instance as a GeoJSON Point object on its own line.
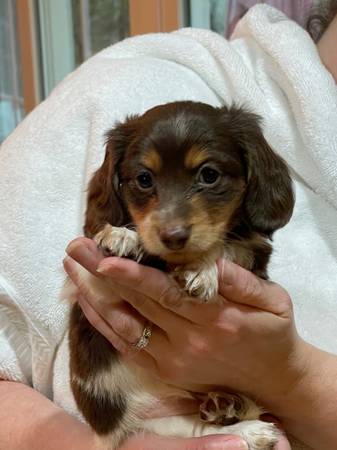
{"type": "Point", "coordinates": [145, 180]}
{"type": "Point", "coordinates": [209, 176]}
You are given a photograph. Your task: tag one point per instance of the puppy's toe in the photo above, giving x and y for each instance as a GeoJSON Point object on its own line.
{"type": "Point", "coordinates": [263, 436]}
{"type": "Point", "coordinates": [202, 284]}
{"type": "Point", "coordinates": [119, 241]}
{"type": "Point", "coordinates": [221, 408]}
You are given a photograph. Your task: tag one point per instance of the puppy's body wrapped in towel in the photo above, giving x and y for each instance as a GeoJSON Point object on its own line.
{"type": "Point", "coordinates": [271, 65]}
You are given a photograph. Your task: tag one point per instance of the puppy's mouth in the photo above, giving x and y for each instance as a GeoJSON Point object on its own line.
{"type": "Point", "coordinates": [180, 257]}
{"type": "Point", "coordinates": [179, 243]}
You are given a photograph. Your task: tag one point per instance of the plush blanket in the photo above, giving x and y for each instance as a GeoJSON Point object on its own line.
{"type": "Point", "coordinates": [270, 65]}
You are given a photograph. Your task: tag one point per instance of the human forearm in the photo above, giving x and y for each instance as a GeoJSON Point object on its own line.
{"type": "Point", "coordinates": [29, 421]}
{"type": "Point", "coordinates": [309, 410]}
{"type": "Point", "coordinates": [327, 48]}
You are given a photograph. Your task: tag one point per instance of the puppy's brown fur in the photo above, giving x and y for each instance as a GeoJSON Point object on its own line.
{"type": "Point", "coordinates": [195, 182]}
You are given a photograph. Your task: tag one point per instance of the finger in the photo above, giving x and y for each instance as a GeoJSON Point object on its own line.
{"type": "Point", "coordinates": [153, 442]}
{"type": "Point", "coordinates": [145, 280]}
{"type": "Point", "coordinates": [100, 325]}
{"type": "Point", "coordinates": [124, 348]}
{"type": "Point", "coordinates": [151, 283]}
{"type": "Point", "coordinates": [241, 286]}
{"type": "Point", "coordinates": [165, 319]}
{"type": "Point", "coordinates": [126, 322]}
{"type": "Point", "coordinates": [86, 253]}
{"type": "Point", "coordinates": [78, 275]}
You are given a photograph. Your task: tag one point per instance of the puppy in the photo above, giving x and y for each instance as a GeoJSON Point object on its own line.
{"type": "Point", "coordinates": [180, 186]}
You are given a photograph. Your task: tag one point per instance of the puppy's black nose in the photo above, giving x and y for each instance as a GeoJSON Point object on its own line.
{"type": "Point", "coordinates": [174, 238]}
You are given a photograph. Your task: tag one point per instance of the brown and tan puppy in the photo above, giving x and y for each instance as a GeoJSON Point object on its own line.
{"type": "Point", "coordinates": [180, 186]}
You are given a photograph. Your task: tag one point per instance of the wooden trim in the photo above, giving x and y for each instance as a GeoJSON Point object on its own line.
{"type": "Point", "coordinates": [28, 53]}
{"type": "Point", "coordinates": [170, 20]}
{"type": "Point", "coordinates": [153, 16]}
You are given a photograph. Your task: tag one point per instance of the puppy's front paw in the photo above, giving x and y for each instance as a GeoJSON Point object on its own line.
{"type": "Point", "coordinates": [201, 282]}
{"type": "Point", "coordinates": [119, 241]}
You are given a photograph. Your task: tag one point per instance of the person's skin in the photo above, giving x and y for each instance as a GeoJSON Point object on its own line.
{"type": "Point", "coordinates": [20, 431]}
{"type": "Point", "coordinates": [247, 341]}
{"type": "Point", "coordinates": [188, 333]}
{"type": "Point", "coordinates": [327, 48]}
{"type": "Point", "coordinates": [29, 421]}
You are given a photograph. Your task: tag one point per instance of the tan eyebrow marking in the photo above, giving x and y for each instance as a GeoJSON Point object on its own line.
{"type": "Point", "coordinates": [195, 157]}
{"type": "Point", "coordinates": [152, 160]}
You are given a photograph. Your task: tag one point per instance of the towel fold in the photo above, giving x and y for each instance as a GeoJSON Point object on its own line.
{"type": "Point", "coordinates": [270, 65]}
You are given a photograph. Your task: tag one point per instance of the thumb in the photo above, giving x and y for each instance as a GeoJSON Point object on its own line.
{"type": "Point", "coordinates": [153, 442]}
{"type": "Point", "coordinates": [239, 285]}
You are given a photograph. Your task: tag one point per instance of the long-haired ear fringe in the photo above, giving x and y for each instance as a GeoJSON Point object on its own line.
{"type": "Point", "coordinates": [269, 198]}
{"type": "Point", "coordinates": [104, 201]}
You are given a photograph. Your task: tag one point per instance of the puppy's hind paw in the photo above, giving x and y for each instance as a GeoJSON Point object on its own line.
{"type": "Point", "coordinates": [221, 408]}
{"type": "Point", "coordinates": [261, 435]}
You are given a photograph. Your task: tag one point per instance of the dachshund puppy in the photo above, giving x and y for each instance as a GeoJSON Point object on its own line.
{"type": "Point", "coordinates": [180, 186]}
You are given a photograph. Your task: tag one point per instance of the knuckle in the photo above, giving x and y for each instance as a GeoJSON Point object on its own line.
{"type": "Point", "coordinates": [251, 285]}
{"type": "Point", "coordinates": [197, 345]}
{"type": "Point", "coordinates": [83, 288]}
{"type": "Point", "coordinates": [229, 329]}
{"type": "Point", "coordinates": [122, 325]}
{"type": "Point", "coordinates": [94, 320]}
{"type": "Point", "coordinates": [230, 324]}
{"type": "Point", "coordinates": [139, 300]}
{"type": "Point", "coordinates": [171, 296]}
{"type": "Point", "coordinates": [138, 279]}
{"type": "Point", "coordinates": [173, 372]}
{"type": "Point", "coordinates": [287, 302]}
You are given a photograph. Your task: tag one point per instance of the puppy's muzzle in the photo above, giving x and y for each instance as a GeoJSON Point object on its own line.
{"type": "Point", "coordinates": [176, 237]}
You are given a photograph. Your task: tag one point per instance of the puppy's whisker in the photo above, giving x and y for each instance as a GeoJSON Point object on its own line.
{"type": "Point", "coordinates": [201, 155]}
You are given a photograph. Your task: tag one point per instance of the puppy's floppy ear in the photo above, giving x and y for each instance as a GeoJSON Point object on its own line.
{"type": "Point", "coordinates": [269, 199]}
{"type": "Point", "coordinates": [105, 203]}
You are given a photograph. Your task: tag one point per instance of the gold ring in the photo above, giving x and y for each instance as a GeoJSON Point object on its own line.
{"type": "Point", "coordinates": [144, 340]}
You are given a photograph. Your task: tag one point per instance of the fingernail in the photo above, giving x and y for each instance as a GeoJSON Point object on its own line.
{"type": "Point", "coordinates": [75, 245]}
{"type": "Point", "coordinates": [105, 268]}
{"type": "Point", "coordinates": [234, 444]}
{"type": "Point", "coordinates": [72, 245]}
{"type": "Point", "coordinates": [68, 263]}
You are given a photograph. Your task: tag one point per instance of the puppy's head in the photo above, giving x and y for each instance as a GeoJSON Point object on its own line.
{"type": "Point", "coordinates": [185, 173]}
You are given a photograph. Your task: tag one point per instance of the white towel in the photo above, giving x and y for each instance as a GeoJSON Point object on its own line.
{"type": "Point", "coordinates": [271, 65]}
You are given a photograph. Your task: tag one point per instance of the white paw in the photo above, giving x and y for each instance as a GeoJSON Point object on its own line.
{"type": "Point", "coordinates": [260, 435]}
{"type": "Point", "coordinates": [119, 241]}
{"type": "Point", "coordinates": [200, 282]}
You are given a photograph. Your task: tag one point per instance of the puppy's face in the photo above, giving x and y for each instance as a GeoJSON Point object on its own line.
{"type": "Point", "coordinates": [182, 179]}
{"type": "Point", "coordinates": [185, 174]}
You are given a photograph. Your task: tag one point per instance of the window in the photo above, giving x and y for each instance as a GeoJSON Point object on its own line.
{"type": "Point", "coordinates": [11, 100]}
{"type": "Point", "coordinates": [41, 41]}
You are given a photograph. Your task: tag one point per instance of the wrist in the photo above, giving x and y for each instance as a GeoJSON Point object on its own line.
{"type": "Point", "coordinates": [291, 389]}
{"type": "Point", "coordinates": [307, 410]}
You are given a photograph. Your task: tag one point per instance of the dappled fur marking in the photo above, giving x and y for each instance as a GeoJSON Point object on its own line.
{"type": "Point", "coordinates": [103, 413]}
{"type": "Point", "coordinates": [235, 217]}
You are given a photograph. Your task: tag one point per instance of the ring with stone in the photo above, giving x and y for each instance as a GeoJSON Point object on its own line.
{"type": "Point", "coordinates": [144, 340]}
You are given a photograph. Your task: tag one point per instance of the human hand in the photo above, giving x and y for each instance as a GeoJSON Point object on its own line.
{"type": "Point", "coordinates": [247, 341]}
{"type": "Point", "coordinates": [153, 442]}
{"type": "Point", "coordinates": [188, 339]}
